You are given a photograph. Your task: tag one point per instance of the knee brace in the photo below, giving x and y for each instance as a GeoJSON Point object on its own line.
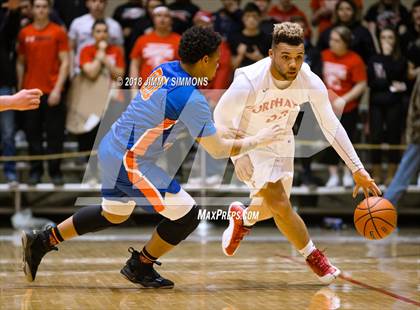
{"type": "Point", "coordinates": [90, 219]}
{"type": "Point", "coordinates": [175, 231]}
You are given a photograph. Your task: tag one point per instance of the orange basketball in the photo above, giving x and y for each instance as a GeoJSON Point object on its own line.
{"type": "Point", "coordinates": [375, 218]}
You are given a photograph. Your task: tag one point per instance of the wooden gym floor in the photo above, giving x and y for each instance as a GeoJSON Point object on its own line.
{"type": "Point", "coordinates": [266, 273]}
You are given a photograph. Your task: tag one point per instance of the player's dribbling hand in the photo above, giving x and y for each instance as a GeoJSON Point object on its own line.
{"type": "Point", "coordinates": [26, 99]}
{"type": "Point", "coordinates": [244, 168]}
{"type": "Point", "coordinates": [366, 183]}
{"type": "Point", "coordinates": [270, 134]}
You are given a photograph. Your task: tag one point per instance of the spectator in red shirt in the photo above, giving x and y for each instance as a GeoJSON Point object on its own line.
{"type": "Point", "coordinates": [344, 74]}
{"type": "Point", "coordinates": [285, 10]}
{"type": "Point", "coordinates": [155, 48]}
{"type": "Point", "coordinates": [135, 18]}
{"type": "Point", "coordinates": [101, 55]}
{"type": "Point", "coordinates": [43, 62]}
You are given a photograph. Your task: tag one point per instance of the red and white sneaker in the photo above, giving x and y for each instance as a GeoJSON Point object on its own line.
{"type": "Point", "coordinates": [236, 230]}
{"type": "Point", "coordinates": [322, 267]}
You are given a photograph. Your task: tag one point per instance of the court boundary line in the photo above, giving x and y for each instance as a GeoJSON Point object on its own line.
{"type": "Point", "coordinates": [359, 283]}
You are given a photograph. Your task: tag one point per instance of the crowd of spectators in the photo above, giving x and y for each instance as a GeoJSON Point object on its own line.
{"type": "Point", "coordinates": [356, 50]}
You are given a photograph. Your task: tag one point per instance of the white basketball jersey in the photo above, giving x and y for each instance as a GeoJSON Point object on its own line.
{"type": "Point", "coordinates": [254, 102]}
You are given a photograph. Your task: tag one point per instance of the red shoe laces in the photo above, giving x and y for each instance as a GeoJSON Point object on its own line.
{"type": "Point", "coordinates": [319, 259]}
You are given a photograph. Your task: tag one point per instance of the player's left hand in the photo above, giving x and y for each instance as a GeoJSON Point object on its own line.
{"type": "Point", "coordinates": [363, 180]}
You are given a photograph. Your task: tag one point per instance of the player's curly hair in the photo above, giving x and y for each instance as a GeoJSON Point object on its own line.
{"type": "Point", "coordinates": [196, 42]}
{"type": "Point", "coordinates": [287, 32]}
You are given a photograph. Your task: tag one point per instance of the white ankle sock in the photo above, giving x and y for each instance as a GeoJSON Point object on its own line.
{"type": "Point", "coordinates": [308, 249]}
{"type": "Point", "coordinates": [246, 220]}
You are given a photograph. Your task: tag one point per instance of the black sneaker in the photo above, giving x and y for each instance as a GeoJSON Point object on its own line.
{"type": "Point", "coordinates": [34, 246]}
{"type": "Point", "coordinates": [143, 274]}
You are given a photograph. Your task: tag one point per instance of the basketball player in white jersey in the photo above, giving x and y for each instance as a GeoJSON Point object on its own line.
{"type": "Point", "coordinates": [268, 92]}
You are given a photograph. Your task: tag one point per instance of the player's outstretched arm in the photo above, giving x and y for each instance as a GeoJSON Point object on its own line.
{"type": "Point", "coordinates": [219, 147]}
{"type": "Point", "coordinates": [26, 99]}
{"type": "Point", "coordinates": [338, 138]}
